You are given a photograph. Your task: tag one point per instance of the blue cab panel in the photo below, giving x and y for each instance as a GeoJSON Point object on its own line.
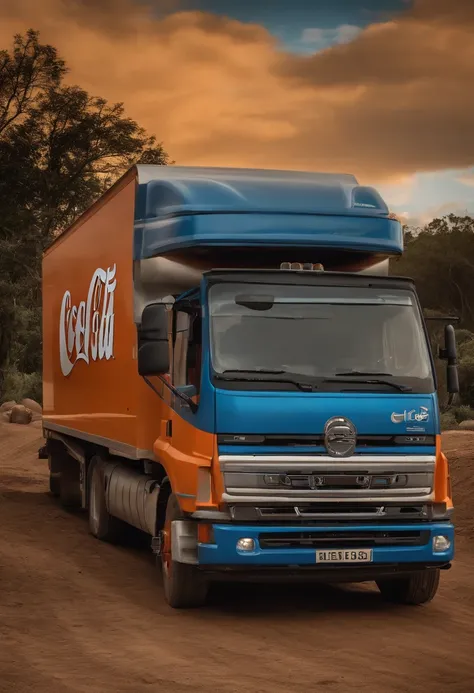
{"type": "Point", "coordinates": [188, 207]}
{"type": "Point", "coordinates": [245, 412]}
{"type": "Point", "coordinates": [225, 552]}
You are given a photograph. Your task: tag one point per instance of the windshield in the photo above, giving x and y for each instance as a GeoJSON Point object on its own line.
{"type": "Point", "coordinates": [320, 333]}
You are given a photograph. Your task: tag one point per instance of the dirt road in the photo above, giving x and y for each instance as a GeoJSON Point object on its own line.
{"type": "Point", "coordinates": [79, 616]}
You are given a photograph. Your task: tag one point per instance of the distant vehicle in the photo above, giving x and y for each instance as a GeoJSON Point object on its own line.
{"type": "Point", "coordinates": [228, 367]}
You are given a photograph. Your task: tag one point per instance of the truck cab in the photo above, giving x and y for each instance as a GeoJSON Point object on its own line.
{"type": "Point", "coordinates": [318, 385]}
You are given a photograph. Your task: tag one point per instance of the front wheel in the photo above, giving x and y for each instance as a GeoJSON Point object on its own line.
{"type": "Point", "coordinates": [184, 585]}
{"type": "Point", "coordinates": [419, 588]}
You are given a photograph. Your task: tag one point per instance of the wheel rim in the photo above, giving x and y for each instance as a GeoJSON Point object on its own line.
{"type": "Point", "coordinates": [94, 504]}
{"type": "Point", "coordinates": [166, 560]}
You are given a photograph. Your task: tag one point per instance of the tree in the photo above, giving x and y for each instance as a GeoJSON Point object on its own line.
{"type": "Point", "coordinates": [440, 257]}
{"type": "Point", "coordinates": [60, 148]}
{"type": "Point", "coordinates": [26, 72]}
{"type": "Point", "coordinates": [77, 146]}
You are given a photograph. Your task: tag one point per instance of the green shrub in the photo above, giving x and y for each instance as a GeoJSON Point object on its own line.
{"type": "Point", "coordinates": [448, 421]}
{"type": "Point", "coordinates": [18, 386]}
{"type": "Point", "coordinates": [464, 337]}
{"type": "Point", "coordinates": [463, 413]}
{"type": "Point", "coordinates": [466, 349]}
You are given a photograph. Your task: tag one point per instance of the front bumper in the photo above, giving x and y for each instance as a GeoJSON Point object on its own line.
{"type": "Point", "coordinates": [224, 553]}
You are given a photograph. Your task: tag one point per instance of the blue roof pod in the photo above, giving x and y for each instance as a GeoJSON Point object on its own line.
{"type": "Point", "coordinates": [186, 207]}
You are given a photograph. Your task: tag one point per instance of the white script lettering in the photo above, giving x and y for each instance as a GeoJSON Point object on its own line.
{"type": "Point", "coordinates": [87, 330]}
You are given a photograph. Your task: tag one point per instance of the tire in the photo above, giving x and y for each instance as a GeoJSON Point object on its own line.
{"type": "Point", "coordinates": [102, 524]}
{"type": "Point", "coordinates": [54, 476]}
{"type": "Point", "coordinates": [416, 589]}
{"type": "Point", "coordinates": [56, 452]}
{"type": "Point", "coordinates": [184, 585]}
{"type": "Point", "coordinates": [69, 482]}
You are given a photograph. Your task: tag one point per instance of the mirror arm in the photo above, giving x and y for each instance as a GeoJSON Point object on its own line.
{"type": "Point", "coordinates": [191, 404]}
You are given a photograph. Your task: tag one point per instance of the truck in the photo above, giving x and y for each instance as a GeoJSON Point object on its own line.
{"type": "Point", "coordinates": [230, 368]}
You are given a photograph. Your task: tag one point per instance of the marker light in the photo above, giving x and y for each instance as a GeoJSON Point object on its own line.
{"type": "Point", "coordinates": [317, 267]}
{"type": "Point", "coordinates": [441, 543]}
{"type": "Point", "coordinates": [246, 544]}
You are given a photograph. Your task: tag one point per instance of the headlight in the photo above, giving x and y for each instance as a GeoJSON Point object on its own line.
{"type": "Point", "coordinates": [246, 544]}
{"type": "Point", "coordinates": [441, 543]}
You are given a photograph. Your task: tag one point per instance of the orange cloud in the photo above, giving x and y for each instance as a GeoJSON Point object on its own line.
{"type": "Point", "coordinates": [396, 99]}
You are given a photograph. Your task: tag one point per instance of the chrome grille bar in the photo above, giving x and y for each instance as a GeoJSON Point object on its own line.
{"type": "Point", "coordinates": [376, 463]}
{"type": "Point", "coordinates": [255, 478]}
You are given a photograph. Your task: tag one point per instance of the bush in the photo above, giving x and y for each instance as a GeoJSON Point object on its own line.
{"type": "Point", "coordinates": [448, 421]}
{"type": "Point", "coordinates": [18, 386]}
{"type": "Point", "coordinates": [463, 337]}
{"type": "Point", "coordinates": [463, 413]}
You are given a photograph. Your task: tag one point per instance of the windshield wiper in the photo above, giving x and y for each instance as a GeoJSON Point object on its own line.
{"type": "Point", "coordinates": [348, 378]}
{"type": "Point", "coordinates": [254, 376]}
{"type": "Point", "coordinates": [270, 371]}
{"type": "Point", "coordinates": [364, 373]}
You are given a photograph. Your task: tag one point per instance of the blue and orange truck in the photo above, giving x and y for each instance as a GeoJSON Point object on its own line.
{"type": "Point", "coordinates": [229, 368]}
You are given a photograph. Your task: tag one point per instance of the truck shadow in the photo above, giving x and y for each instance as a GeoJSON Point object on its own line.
{"type": "Point", "coordinates": [254, 599]}
{"type": "Point", "coordinates": [275, 600]}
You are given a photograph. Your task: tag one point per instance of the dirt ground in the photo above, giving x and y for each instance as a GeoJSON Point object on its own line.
{"type": "Point", "coordinates": [80, 616]}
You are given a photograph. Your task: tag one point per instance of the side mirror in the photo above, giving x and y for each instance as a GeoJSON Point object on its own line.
{"type": "Point", "coordinates": [449, 354]}
{"type": "Point", "coordinates": [153, 349]}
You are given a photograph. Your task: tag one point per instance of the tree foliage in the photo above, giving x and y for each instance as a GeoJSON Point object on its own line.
{"type": "Point", "coordinates": [28, 70]}
{"type": "Point", "coordinates": [440, 258]}
{"type": "Point", "coordinates": [60, 148]}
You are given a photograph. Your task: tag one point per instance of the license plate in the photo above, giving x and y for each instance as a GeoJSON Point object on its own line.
{"type": "Point", "coordinates": [344, 556]}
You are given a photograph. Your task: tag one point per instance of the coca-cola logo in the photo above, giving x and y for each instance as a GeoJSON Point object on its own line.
{"type": "Point", "coordinates": [86, 331]}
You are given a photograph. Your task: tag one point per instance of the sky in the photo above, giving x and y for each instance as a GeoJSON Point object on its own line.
{"type": "Point", "coordinates": [378, 88]}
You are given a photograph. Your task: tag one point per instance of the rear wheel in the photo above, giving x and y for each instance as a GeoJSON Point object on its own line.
{"type": "Point", "coordinates": [55, 451]}
{"type": "Point", "coordinates": [102, 524]}
{"type": "Point", "coordinates": [54, 475]}
{"type": "Point", "coordinates": [184, 585]}
{"type": "Point", "coordinates": [70, 482]}
{"type": "Point", "coordinates": [419, 588]}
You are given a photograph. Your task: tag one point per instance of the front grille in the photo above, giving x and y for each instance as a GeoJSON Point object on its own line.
{"type": "Point", "coordinates": [328, 513]}
{"type": "Point", "coordinates": [343, 480]}
{"type": "Point", "coordinates": [289, 511]}
{"type": "Point", "coordinates": [295, 441]}
{"type": "Point", "coordinates": [343, 539]}
{"type": "Point", "coordinates": [301, 479]}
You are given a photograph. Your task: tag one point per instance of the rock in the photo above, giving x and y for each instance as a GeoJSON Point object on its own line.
{"type": "Point", "coordinates": [36, 417]}
{"type": "Point", "coordinates": [467, 425]}
{"type": "Point", "coordinates": [34, 406]}
{"type": "Point", "coordinates": [20, 415]}
{"type": "Point", "coordinates": [7, 406]}
{"type": "Point", "coordinates": [5, 416]}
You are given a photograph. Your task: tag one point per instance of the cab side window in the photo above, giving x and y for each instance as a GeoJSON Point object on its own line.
{"type": "Point", "coordinates": [187, 350]}
{"type": "Point", "coordinates": [194, 354]}
{"type": "Point", "coordinates": [180, 348]}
